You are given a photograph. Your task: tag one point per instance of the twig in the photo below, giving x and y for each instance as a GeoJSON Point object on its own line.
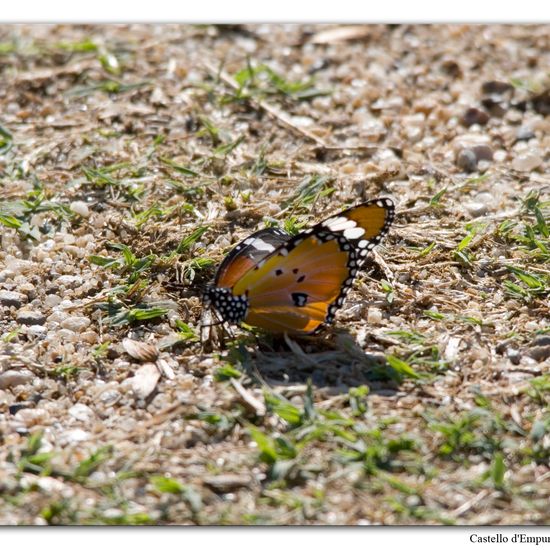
{"type": "Point", "coordinates": [248, 400]}
{"type": "Point", "coordinates": [469, 504]}
{"type": "Point", "coordinates": [376, 258]}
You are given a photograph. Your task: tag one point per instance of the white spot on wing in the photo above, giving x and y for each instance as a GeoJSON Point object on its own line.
{"type": "Point", "coordinates": [262, 245]}
{"type": "Point", "coordinates": [339, 223]}
{"type": "Point", "coordinates": [354, 233]}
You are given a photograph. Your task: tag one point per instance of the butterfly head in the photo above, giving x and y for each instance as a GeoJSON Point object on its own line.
{"type": "Point", "coordinates": [232, 308]}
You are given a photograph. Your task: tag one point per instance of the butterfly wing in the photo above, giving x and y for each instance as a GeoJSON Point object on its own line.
{"type": "Point", "coordinates": [300, 285]}
{"type": "Point", "coordinates": [364, 225]}
{"type": "Point", "coordinates": [247, 254]}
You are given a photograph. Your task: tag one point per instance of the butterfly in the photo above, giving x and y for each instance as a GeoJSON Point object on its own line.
{"type": "Point", "coordinates": [295, 284]}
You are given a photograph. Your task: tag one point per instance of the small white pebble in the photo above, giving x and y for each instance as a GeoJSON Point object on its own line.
{"type": "Point", "coordinates": [81, 412]}
{"type": "Point", "coordinates": [76, 323]}
{"type": "Point", "coordinates": [526, 162]}
{"type": "Point", "coordinates": [374, 316]}
{"type": "Point", "coordinates": [80, 208]}
{"type": "Point", "coordinates": [52, 300]}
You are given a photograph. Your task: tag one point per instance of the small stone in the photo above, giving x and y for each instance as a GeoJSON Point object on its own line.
{"type": "Point", "coordinates": [502, 346]}
{"type": "Point", "coordinates": [73, 436]}
{"type": "Point", "coordinates": [52, 300]}
{"type": "Point", "coordinates": [539, 353]}
{"type": "Point", "coordinates": [36, 330]}
{"type": "Point", "coordinates": [466, 160]}
{"type": "Point", "coordinates": [145, 380]}
{"type": "Point", "coordinates": [30, 317]}
{"type": "Point", "coordinates": [226, 483]}
{"type": "Point", "coordinates": [500, 156]}
{"type": "Point", "coordinates": [476, 208]}
{"type": "Point", "coordinates": [69, 281]}
{"type": "Point", "coordinates": [110, 397]}
{"type": "Point", "coordinates": [496, 87]}
{"type": "Point", "coordinates": [541, 103]}
{"type": "Point", "coordinates": [541, 340]}
{"type": "Point", "coordinates": [474, 116]}
{"type": "Point", "coordinates": [524, 133]}
{"type": "Point", "coordinates": [90, 337]}
{"type": "Point", "coordinates": [374, 316]}
{"type": "Point", "coordinates": [514, 355]}
{"type": "Point", "coordinates": [13, 409]}
{"type": "Point", "coordinates": [483, 152]}
{"type": "Point", "coordinates": [31, 417]}
{"type": "Point", "coordinates": [80, 208]}
{"type": "Point", "coordinates": [76, 323]}
{"type": "Point", "coordinates": [12, 378]}
{"type": "Point", "coordinates": [81, 412]}
{"type": "Point", "coordinates": [9, 298]}
{"type": "Point", "coordinates": [495, 106]}
{"type": "Point", "coordinates": [527, 162]}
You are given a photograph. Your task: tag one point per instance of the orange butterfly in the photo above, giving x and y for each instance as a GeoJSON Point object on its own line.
{"type": "Point", "coordinates": [296, 284]}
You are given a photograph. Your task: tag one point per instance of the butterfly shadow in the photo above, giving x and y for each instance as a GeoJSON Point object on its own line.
{"type": "Point", "coordinates": [333, 362]}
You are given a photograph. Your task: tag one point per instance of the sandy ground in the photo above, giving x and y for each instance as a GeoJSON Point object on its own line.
{"type": "Point", "coordinates": [133, 157]}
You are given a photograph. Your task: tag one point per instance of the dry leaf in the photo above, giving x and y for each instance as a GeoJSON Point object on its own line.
{"type": "Point", "coordinates": [142, 351]}
{"type": "Point", "coordinates": [145, 380]}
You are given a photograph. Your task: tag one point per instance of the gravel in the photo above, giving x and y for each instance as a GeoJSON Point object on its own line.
{"type": "Point", "coordinates": [12, 378]}
{"type": "Point", "coordinates": [408, 111]}
{"type": "Point", "coordinates": [10, 298]}
{"type": "Point", "coordinates": [80, 208]}
{"type": "Point", "coordinates": [466, 160]}
{"type": "Point", "coordinates": [528, 161]}
{"type": "Point", "coordinates": [31, 317]}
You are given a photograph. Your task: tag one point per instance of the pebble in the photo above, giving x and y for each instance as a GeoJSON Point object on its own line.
{"type": "Point", "coordinates": [70, 281]}
{"type": "Point", "coordinates": [496, 87]}
{"type": "Point", "coordinates": [476, 209]}
{"type": "Point", "coordinates": [31, 417]}
{"type": "Point", "coordinates": [6, 274]}
{"type": "Point", "coordinates": [52, 300]}
{"type": "Point", "coordinates": [63, 335]}
{"type": "Point", "coordinates": [539, 353]}
{"type": "Point", "coordinates": [110, 397]}
{"type": "Point", "coordinates": [540, 348]}
{"type": "Point", "coordinates": [524, 133]}
{"type": "Point", "coordinates": [80, 208]}
{"type": "Point", "coordinates": [90, 337]}
{"type": "Point", "coordinates": [541, 340]}
{"type": "Point", "coordinates": [485, 198]}
{"type": "Point", "coordinates": [12, 378]}
{"type": "Point", "coordinates": [474, 116]}
{"type": "Point", "coordinates": [514, 355]}
{"type": "Point", "coordinates": [9, 298]}
{"type": "Point", "coordinates": [500, 156]}
{"type": "Point", "coordinates": [73, 436]}
{"type": "Point", "coordinates": [81, 412]}
{"type": "Point", "coordinates": [36, 330]}
{"type": "Point", "coordinates": [226, 483]}
{"type": "Point", "coordinates": [527, 162]}
{"type": "Point", "coordinates": [19, 266]}
{"type": "Point", "coordinates": [30, 317]}
{"type": "Point", "coordinates": [374, 316]}
{"type": "Point", "coordinates": [466, 160]}
{"type": "Point", "coordinates": [76, 323]}
{"type": "Point", "coordinates": [483, 152]}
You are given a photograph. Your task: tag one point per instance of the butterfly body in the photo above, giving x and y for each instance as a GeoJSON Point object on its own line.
{"type": "Point", "coordinates": [296, 284]}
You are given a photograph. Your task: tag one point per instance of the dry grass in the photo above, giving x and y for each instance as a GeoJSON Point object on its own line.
{"type": "Point", "coordinates": [133, 157]}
